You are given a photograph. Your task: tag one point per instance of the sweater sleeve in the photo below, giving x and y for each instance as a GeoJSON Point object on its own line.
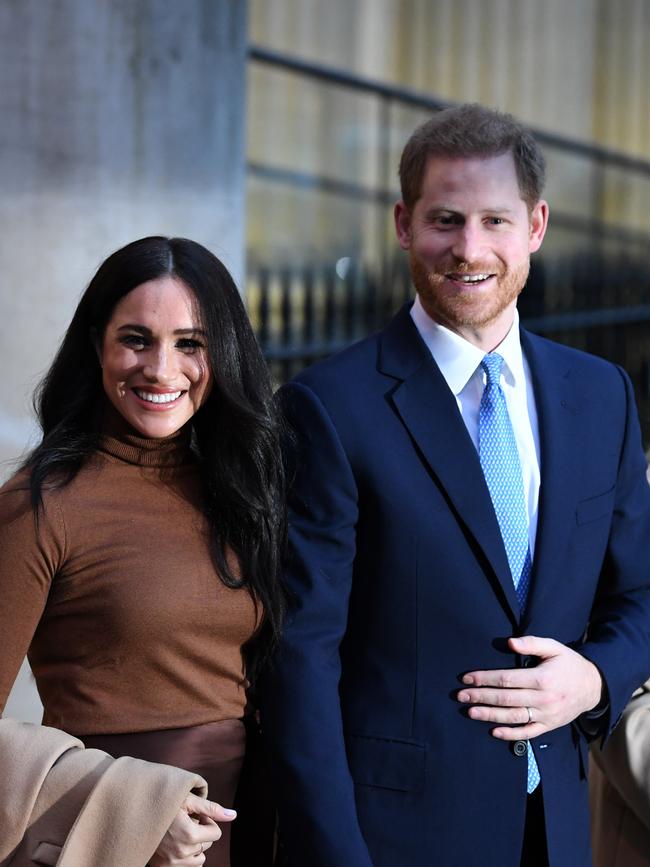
{"type": "Point", "coordinates": [31, 553]}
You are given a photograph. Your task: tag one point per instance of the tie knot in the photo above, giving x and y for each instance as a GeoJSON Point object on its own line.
{"type": "Point", "coordinates": [491, 364]}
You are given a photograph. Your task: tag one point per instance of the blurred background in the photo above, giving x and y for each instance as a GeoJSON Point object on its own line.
{"type": "Point", "coordinates": [270, 130]}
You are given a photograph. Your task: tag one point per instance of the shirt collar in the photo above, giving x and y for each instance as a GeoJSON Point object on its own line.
{"type": "Point", "coordinates": [458, 359]}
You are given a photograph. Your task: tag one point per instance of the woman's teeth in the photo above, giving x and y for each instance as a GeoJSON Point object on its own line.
{"type": "Point", "coordinates": [152, 397]}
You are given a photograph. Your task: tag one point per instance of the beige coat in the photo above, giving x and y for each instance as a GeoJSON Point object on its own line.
{"type": "Point", "coordinates": [620, 790]}
{"type": "Point", "coordinates": [63, 805]}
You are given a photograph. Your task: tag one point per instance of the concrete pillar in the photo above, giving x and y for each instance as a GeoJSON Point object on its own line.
{"type": "Point", "coordinates": [120, 118]}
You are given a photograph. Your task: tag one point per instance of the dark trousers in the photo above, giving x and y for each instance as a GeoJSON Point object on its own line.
{"type": "Point", "coordinates": [534, 852]}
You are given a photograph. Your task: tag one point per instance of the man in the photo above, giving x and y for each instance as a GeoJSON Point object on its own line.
{"type": "Point", "coordinates": [469, 532]}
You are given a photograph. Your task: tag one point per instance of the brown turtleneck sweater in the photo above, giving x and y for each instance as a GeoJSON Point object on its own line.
{"type": "Point", "coordinates": [115, 598]}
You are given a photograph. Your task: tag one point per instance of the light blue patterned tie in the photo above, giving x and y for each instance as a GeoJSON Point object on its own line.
{"type": "Point", "coordinates": [502, 471]}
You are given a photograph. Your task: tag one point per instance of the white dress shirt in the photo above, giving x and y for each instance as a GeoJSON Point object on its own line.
{"type": "Point", "coordinates": [460, 364]}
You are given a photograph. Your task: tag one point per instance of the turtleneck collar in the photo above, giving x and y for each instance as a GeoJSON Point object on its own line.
{"type": "Point", "coordinates": [121, 441]}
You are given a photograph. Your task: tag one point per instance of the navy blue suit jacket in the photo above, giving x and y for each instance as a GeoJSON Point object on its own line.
{"type": "Point", "coordinates": [402, 584]}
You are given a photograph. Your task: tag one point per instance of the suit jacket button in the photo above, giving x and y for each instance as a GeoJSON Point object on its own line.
{"type": "Point", "coordinates": [520, 748]}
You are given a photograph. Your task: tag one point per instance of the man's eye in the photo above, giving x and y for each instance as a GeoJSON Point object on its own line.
{"type": "Point", "coordinates": [445, 220]}
{"type": "Point", "coordinates": [495, 221]}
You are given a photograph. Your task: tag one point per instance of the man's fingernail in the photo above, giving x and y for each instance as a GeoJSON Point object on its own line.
{"type": "Point", "coordinates": [230, 813]}
{"type": "Point", "coordinates": [468, 679]}
{"type": "Point", "coordinates": [463, 696]}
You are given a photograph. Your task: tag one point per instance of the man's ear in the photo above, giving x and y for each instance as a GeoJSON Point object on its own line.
{"type": "Point", "coordinates": [402, 217]}
{"type": "Point", "coordinates": [96, 342]}
{"type": "Point", "coordinates": [538, 222]}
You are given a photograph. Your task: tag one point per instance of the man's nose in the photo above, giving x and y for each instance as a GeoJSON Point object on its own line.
{"type": "Point", "coordinates": [468, 243]}
{"type": "Point", "coordinates": [159, 365]}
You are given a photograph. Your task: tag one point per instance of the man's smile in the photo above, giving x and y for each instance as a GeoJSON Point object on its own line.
{"type": "Point", "coordinates": [468, 279]}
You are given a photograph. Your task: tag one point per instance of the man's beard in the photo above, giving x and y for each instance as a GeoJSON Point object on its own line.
{"type": "Point", "coordinates": [466, 308]}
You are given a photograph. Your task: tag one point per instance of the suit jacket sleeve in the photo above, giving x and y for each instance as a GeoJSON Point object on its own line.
{"type": "Point", "coordinates": [618, 638]}
{"type": "Point", "coordinates": [301, 712]}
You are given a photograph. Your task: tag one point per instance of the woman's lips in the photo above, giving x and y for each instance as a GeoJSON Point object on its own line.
{"type": "Point", "coordinates": [158, 399]}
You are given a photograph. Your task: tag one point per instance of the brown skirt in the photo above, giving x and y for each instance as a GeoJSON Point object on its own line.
{"type": "Point", "coordinates": [215, 751]}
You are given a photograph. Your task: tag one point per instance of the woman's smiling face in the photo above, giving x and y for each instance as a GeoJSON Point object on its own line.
{"type": "Point", "coordinates": [154, 357]}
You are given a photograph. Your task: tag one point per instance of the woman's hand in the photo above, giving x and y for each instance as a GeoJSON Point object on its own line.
{"type": "Point", "coordinates": [193, 830]}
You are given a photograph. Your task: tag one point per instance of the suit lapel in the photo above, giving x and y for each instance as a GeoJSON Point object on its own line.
{"type": "Point", "coordinates": [429, 411]}
{"type": "Point", "coordinates": [558, 407]}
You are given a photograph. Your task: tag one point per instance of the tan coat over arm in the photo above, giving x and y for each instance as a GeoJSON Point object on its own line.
{"type": "Point", "coordinates": [620, 790]}
{"type": "Point", "coordinates": [63, 805]}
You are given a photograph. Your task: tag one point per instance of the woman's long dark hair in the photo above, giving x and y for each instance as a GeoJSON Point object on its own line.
{"type": "Point", "coordinates": [236, 432]}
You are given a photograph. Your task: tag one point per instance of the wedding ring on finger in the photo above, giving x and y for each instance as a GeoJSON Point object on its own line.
{"type": "Point", "coordinates": [530, 716]}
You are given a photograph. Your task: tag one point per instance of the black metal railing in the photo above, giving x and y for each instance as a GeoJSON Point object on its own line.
{"type": "Point", "coordinates": [306, 312]}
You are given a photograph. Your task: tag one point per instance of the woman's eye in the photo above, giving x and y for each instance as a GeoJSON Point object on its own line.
{"type": "Point", "coordinates": [133, 341]}
{"type": "Point", "coordinates": [189, 344]}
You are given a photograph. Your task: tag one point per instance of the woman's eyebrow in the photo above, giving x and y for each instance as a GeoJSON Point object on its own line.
{"type": "Point", "coordinates": [142, 329]}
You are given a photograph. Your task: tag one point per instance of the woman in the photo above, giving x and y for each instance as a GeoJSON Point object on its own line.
{"type": "Point", "coordinates": [139, 544]}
